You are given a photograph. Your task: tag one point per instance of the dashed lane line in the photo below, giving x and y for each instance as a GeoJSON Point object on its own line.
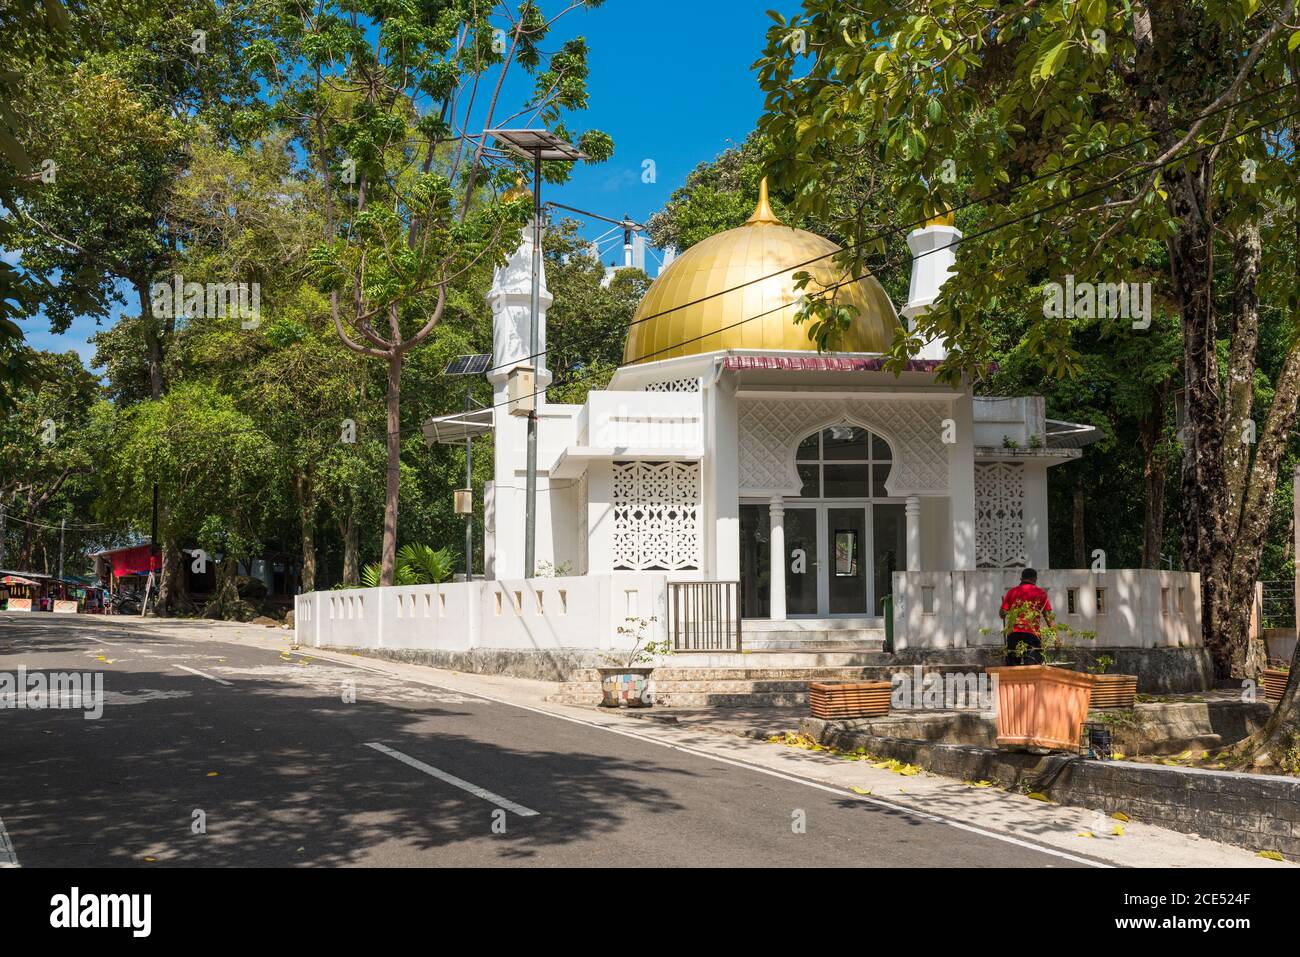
{"type": "Point", "coordinates": [204, 674]}
{"type": "Point", "coordinates": [8, 857]}
{"type": "Point", "coordinates": [454, 781]}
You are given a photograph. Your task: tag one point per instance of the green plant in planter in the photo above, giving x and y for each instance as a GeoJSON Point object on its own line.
{"type": "Point", "coordinates": [1053, 635]}
{"type": "Point", "coordinates": [1100, 664]}
{"type": "Point", "coordinates": [643, 652]}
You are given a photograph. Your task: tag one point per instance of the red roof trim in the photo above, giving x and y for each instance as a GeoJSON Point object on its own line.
{"type": "Point", "coordinates": [823, 364]}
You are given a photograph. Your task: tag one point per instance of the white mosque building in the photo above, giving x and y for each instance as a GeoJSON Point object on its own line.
{"type": "Point", "coordinates": [747, 491]}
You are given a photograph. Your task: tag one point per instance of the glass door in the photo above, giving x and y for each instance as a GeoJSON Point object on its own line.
{"type": "Point", "coordinates": [848, 560]}
{"type": "Point", "coordinates": [801, 554]}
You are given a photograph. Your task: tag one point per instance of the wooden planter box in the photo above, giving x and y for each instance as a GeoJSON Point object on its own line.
{"type": "Point", "coordinates": [849, 699]}
{"type": "Point", "coordinates": [1275, 681]}
{"type": "Point", "coordinates": [1040, 706]}
{"type": "Point", "coordinates": [1114, 691]}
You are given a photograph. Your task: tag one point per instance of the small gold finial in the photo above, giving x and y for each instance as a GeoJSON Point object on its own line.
{"type": "Point", "coordinates": [938, 214]}
{"type": "Point", "coordinates": [763, 211]}
{"type": "Point", "coordinates": [519, 191]}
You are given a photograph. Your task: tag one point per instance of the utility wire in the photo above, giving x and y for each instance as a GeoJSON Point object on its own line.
{"type": "Point", "coordinates": [891, 263]}
{"type": "Point", "coordinates": [1142, 171]}
{"type": "Point", "coordinates": [894, 230]}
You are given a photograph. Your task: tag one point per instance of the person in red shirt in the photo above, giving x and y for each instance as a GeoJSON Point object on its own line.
{"type": "Point", "coordinates": [1030, 607]}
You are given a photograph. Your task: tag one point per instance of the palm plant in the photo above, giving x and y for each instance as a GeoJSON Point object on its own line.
{"type": "Point", "coordinates": [416, 565]}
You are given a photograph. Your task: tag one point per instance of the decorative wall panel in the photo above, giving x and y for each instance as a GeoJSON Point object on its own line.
{"type": "Point", "coordinates": [690, 384]}
{"type": "Point", "coordinates": [656, 516]}
{"type": "Point", "coordinates": [1000, 515]}
{"type": "Point", "coordinates": [770, 429]}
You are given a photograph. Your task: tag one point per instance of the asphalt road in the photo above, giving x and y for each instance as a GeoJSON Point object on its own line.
{"type": "Point", "coordinates": [254, 758]}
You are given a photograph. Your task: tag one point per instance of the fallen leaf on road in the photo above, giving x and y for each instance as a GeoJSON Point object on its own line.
{"type": "Point", "coordinates": [150, 859]}
{"type": "Point", "coordinates": [212, 774]}
{"type": "Point", "coordinates": [862, 790]}
{"type": "Point", "coordinates": [1038, 796]}
{"type": "Point", "coordinates": [978, 784]}
{"type": "Point", "coordinates": [1118, 832]}
{"type": "Point", "coordinates": [1085, 834]}
{"type": "Point", "coordinates": [1271, 855]}
{"type": "Point", "coordinates": [1121, 816]}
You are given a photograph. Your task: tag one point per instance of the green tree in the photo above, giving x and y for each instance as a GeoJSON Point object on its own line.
{"type": "Point", "coordinates": [1090, 131]}
{"type": "Point", "coordinates": [373, 94]}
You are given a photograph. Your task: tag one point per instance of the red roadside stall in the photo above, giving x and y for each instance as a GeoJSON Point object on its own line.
{"type": "Point", "coordinates": [126, 570]}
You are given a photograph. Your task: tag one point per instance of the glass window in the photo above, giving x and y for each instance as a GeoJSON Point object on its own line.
{"type": "Point", "coordinates": [843, 461]}
{"type": "Point", "coordinates": [879, 475]}
{"type": "Point", "coordinates": [846, 442]}
{"type": "Point", "coordinates": [755, 561]}
{"type": "Point", "coordinates": [808, 475]}
{"type": "Point", "coordinates": [845, 481]}
{"type": "Point", "coordinates": [808, 448]}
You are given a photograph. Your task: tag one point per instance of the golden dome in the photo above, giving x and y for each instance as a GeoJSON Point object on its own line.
{"type": "Point", "coordinates": [760, 258]}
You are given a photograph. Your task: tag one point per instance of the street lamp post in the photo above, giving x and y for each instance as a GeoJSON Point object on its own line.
{"type": "Point", "coordinates": [536, 145]}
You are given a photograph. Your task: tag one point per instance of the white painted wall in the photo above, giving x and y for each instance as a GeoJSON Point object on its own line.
{"type": "Point", "coordinates": [961, 482]}
{"type": "Point", "coordinates": [537, 614]}
{"type": "Point", "coordinates": [1144, 608]}
{"type": "Point", "coordinates": [644, 420]}
{"type": "Point", "coordinates": [1035, 517]}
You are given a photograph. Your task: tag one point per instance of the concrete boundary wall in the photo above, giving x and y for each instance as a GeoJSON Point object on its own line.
{"type": "Point", "coordinates": [1132, 608]}
{"type": "Point", "coordinates": [1255, 811]}
{"type": "Point", "coordinates": [523, 615]}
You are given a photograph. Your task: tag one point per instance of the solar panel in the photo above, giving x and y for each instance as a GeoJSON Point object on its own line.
{"type": "Point", "coordinates": [468, 365]}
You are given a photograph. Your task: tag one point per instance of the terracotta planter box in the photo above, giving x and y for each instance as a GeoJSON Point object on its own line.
{"type": "Point", "coordinates": [849, 699]}
{"type": "Point", "coordinates": [625, 687]}
{"type": "Point", "coordinates": [1114, 691]}
{"type": "Point", "coordinates": [1040, 706]}
{"type": "Point", "coordinates": [1275, 681]}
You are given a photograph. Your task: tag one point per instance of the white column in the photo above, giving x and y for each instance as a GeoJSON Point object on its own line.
{"type": "Point", "coordinates": [776, 516]}
{"type": "Point", "coordinates": [913, 511]}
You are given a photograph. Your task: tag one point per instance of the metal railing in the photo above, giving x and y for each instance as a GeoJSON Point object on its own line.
{"type": "Point", "coordinates": [704, 616]}
{"type": "Point", "coordinates": [1279, 604]}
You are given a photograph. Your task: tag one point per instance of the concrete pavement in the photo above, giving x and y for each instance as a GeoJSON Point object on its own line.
{"type": "Point", "coordinates": [220, 746]}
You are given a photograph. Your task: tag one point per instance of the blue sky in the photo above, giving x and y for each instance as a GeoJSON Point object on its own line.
{"type": "Point", "coordinates": [670, 82]}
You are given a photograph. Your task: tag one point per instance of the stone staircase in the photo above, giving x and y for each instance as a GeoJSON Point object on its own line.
{"type": "Point", "coordinates": [770, 680]}
{"type": "Point", "coordinates": [814, 634]}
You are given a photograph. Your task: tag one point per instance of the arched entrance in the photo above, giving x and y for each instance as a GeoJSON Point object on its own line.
{"type": "Point", "coordinates": [840, 539]}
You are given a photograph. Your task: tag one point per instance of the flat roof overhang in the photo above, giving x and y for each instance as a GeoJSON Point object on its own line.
{"type": "Point", "coordinates": [451, 429]}
{"type": "Point", "coordinates": [573, 461]}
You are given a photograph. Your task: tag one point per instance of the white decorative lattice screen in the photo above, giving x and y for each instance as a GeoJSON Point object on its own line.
{"type": "Point", "coordinates": [691, 384]}
{"type": "Point", "coordinates": [656, 515]}
{"type": "Point", "coordinates": [1000, 515]}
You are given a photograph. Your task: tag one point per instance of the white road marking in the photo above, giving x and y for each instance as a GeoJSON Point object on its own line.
{"type": "Point", "coordinates": [838, 792]}
{"type": "Point", "coordinates": [8, 858]}
{"type": "Point", "coordinates": [454, 781]}
{"type": "Point", "coordinates": [201, 674]}
{"type": "Point", "coordinates": [102, 641]}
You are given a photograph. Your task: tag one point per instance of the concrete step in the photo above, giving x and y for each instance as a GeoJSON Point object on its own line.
{"type": "Point", "coordinates": [776, 658]}
{"type": "Point", "coordinates": [704, 699]}
{"type": "Point", "coordinates": [734, 687]}
{"type": "Point", "coordinates": [673, 673]}
{"type": "Point", "coordinates": [813, 641]}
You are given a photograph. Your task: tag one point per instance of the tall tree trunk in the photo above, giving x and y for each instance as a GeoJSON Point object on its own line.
{"type": "Point", "coordinates": [225, 598]}
{"type": "Point", "coordinates": [305, 493]}
{"type": "Point", "coordinates": [171, 579]}
{"type": "Point", "coordinates": [152, 341]}
{"type": "Point", "coordinates": [1154, 475]}
{"type": "Point", "coordinates": [351, 549]}
{"type": "Point", "coordinates": [388, 560]}
{"type": "Point", "coordinates": [1080, 549]}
